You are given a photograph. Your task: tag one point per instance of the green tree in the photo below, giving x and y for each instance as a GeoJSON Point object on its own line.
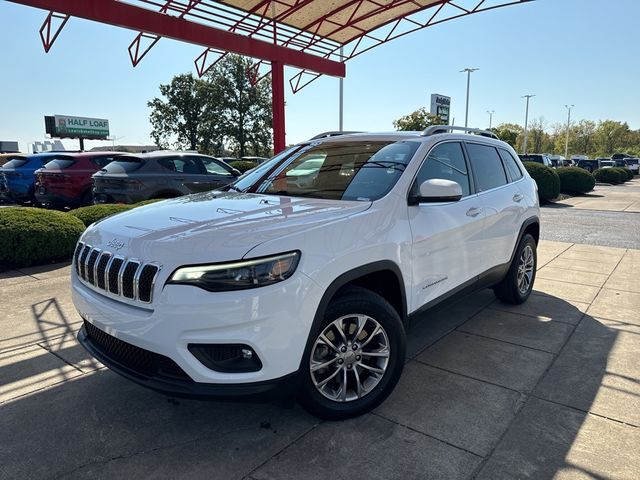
{"type": "Point", "coordinates": [221, 110]}
{"type": "Point", "coordinates": [243, 110]}
{"type": "Point", "coordinates": [178, 121]}
{"type": "Point", "coordinates": [509, 132]}
{"type": "Point", "coordinates": [417, 121]}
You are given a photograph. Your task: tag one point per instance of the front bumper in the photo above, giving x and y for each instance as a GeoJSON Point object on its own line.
{"type": "Point", "coordinates": [177, 384]}
{"type": "Point", "coordinates": [274, 321]}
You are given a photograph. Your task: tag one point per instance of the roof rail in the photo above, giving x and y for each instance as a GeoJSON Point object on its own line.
{"type": "Point", "coordinates": [332, 134]}
{"type": "Point", "coordinates": [436, 129]}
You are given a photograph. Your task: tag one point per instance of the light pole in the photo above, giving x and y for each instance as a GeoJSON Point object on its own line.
{"type": "Point", "coordinates": [469, 72]}
{"type": "Point", "coordinates": [341, 99]}
{"type": "Point", "coordinates": [490, 112]}
{"type": "Point", "coordinates": [566, 145]}
{"type": "Point", "coordinates": [526, 123]}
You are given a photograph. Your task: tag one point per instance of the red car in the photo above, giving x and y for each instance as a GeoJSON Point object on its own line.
{"type": "Point", "coordinates": [66, 180]}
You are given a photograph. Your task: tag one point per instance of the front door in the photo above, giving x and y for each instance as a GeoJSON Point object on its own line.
{"type": "Point", "coordinates": [447, 236]}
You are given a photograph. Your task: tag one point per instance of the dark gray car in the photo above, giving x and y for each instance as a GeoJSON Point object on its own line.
{"type": "Point", "coordinates": [162, 174]}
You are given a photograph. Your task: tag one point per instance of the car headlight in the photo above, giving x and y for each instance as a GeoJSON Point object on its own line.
{"type": "Point", "coordinates": [239, 275]}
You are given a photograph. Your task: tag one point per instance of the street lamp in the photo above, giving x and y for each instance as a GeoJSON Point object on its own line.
{"type": "Point", "coordinates": [490, 112]}
{"type": "Point", "coordinates": [526, 123]}
{"type": "Point", "coordinates": [469, 72]}
{"type": "Point", "coordinates": [566, 145]}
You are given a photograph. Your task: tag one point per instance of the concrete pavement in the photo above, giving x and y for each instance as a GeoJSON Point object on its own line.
{"type": "Point", "coordinates": [548, 389]}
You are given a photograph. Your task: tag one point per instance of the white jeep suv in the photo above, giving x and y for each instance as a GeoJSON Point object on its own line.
{"type": "Point", "coordinates": [301, 277]}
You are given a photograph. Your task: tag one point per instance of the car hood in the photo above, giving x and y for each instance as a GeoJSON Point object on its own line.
{"type": "Point", "coordinates": [212, 226]}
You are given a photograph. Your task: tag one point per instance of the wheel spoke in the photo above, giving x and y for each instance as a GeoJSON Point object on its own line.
{"type": "Point", "coordinates": [343, 390]}
{"type": "Point", "coordinates": [362, 321]}
{"type": "Point", "coordinates": [315, 366]}
{"type": "Point", "coordinates": [382, 354]}
{"type": "Point", "coordinates": [323, 338]}
{"type": "Point", "coordinates": [328, 379]}
{"type": "Point", "coordinates": [373, 334]}
{"type": "Point", "coordinates": [359, 387]}
{"type": "Point", "coordinates": [370, 368]}
{"type": "Point", "coordinates": [340, 327]}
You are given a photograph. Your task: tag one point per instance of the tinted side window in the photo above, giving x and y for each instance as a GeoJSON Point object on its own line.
{"type": "Point", "coordinates": [487, 166]}
{"type": "Point", "coordinates": [445, 161]}
{"type": "Point", "coordinates": [214, 167]}
{"type": "Point", "coordinates": [512, 166]}
{"type": "Point", "coordinates": [188, 165]}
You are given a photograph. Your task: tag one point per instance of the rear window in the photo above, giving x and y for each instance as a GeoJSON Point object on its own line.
{"type": "Point", "coordinates": [531, 158]}
{"type": "Point", "coordinates": [124, 165]}
{"type": "Point", "coordinates": [60, 163]}
{"type": "Point", "coordinates": [15, 162]}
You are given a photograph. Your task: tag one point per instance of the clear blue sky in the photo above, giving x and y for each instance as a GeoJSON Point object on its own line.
{"type": "Point", "coordinates": [582, 52]}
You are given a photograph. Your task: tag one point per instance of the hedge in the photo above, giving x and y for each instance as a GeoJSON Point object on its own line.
{"type": "Point", "coordinates": [546, 178]}
{"type": "Point", "coordinates": [93, 213]}
{"type": "Point", "coordinates": [628, 171]}
{"type": "Point", "coordinates": [575, 180]}
{"type": "Point", "coordinates": [608, 175]}
{"type": "Point", "coordinates": [623, 174]}
{"type": "Point", "coordinates": [35, 235]}
{"type": "Point", "coordinates": [243, 165]}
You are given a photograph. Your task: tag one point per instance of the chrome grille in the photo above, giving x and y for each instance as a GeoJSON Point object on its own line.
{"type": "Point", "coordinates": [118, 275]}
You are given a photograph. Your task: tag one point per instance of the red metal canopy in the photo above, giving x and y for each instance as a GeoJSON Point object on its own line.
{"type": "Point", "coordinates": [314, 36]}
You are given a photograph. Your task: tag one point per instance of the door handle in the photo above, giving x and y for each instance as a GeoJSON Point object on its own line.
{"type": "Point", "coordinates": [474, 212]}
{"type": "Point", "coordinates": [518, 197]}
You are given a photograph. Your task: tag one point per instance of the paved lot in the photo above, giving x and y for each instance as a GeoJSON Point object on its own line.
{"type": "Point", "coordinates": [547, 389]}
{"type": "Point", "coordinates": [608, 216]}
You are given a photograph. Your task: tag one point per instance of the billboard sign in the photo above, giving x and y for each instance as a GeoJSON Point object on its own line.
{"type": "Point", "coordinates": [65, 126]}
{"type": "Point", "coordinates": [441, 106]}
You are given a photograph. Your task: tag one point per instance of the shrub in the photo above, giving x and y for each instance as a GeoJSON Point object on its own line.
{"type": "Point", "coordinates": [575, 180]}
{"type": "Point", "coordinates": [35, 235]}
{"type": "Point", "coordinates": [623, 175]}
{"type": "Point", "coordinates": [243, 165]}
{"type": "Point", "coordinates": [628, 172]}
{"type": "Point", "coordinates": [93, 213]}
{"type": "Point", "coordinates": [608, 175]}
{"type": "Point", "coordinates": [547, 179]}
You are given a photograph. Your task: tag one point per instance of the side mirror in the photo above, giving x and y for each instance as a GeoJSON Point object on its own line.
{"type": "Point", "coordinates": [236, 172]}
{"type": "Point", "coordinates": [438, 190]}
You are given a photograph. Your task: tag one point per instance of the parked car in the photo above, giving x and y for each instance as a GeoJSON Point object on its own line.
{"type": "Point", "coordinates": [161, 174]}
{"type": "Point", "coordinates": [606, 163]}
{"type": "Point", "coordinates": [17, 176]}
{"type": "Point", "coordinates": [538, 158]}
{"type": "Point", "coordinates": [66, 181]}
{"type": "Point", "coordinates": [633, 164]}
{"type": "Point", "coordinates": [5, 157]}
{"type": "Point", "coordinates": [273, 286]}
{"type": "Point", "coordinates": [589, 165]}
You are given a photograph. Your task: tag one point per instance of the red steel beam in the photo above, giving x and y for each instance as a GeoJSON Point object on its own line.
{"type": "Point", "coordinates": [128, 16]}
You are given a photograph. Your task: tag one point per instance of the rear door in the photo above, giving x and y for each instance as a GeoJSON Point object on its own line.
{"type": "Point", "coordinates": [501, 199]}
{"type": "Point", "coordinates": [447, 236]}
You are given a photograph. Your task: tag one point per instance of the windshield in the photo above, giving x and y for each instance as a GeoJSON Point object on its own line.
{"type": "Point", "coordinates": [632, 161]}
{"type": "Point", "coordinates": [364, 171]}
{"type": "Point", "coordinates": [60, 163]}
{"type": "Point", "coordinates": [15, 162]}
{"type": "Point", "coordinates": [606, 163]}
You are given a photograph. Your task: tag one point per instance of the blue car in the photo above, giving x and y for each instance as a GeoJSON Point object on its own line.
{"type": "Point", "coordinates": [17, 179]}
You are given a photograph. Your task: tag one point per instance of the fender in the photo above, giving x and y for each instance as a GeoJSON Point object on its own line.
{"type": "Point", "coordinates": [527, 223]}
{"type": "Point", "coordinates": [345, 279]}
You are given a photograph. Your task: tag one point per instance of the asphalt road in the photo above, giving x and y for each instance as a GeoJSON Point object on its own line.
{"type": "Point", "coordinates": [593, 227]}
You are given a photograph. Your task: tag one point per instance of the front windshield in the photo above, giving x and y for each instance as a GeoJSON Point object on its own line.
{"type": "Point", "coordinates": [363, 170]}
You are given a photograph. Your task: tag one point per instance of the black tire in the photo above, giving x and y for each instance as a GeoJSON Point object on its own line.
{"type": "Point", "coordinates": [356, 301]}
{"type": "Point", "coordinates": [508, 290]}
